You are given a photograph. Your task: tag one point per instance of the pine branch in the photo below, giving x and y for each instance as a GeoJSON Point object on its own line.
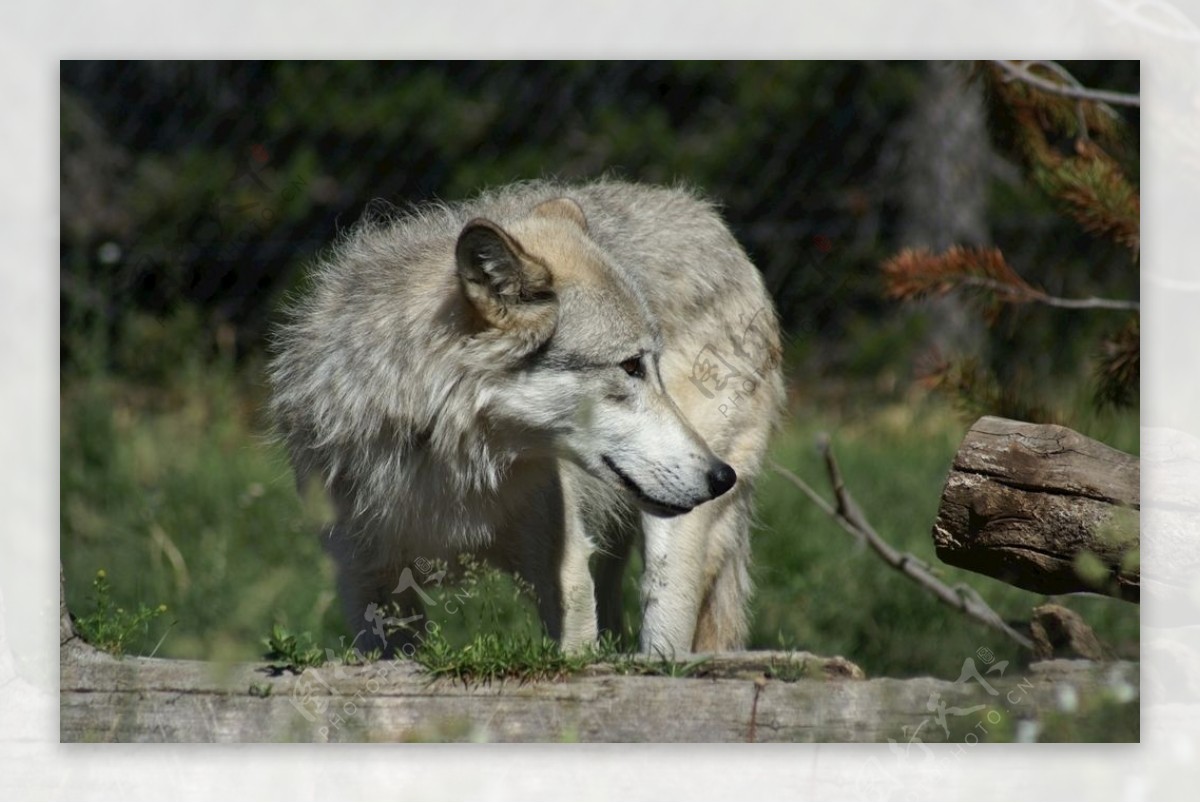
{"type": "Point", "coordinates": [916, 272]}
{"type": "Point", "coordinates": [851, 519]}
{"type": "Point", "coordinates": [1096, 194]}
{"type": "Point", "coordinates": [1033, 122]}
{"type": "Point", "coordinates": [1020, 71]}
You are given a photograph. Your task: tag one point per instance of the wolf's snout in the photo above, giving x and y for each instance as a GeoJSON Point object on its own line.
{"type": "Point", "coordinates": [721, 477]}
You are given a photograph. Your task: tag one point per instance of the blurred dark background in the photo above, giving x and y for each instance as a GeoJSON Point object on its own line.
{"type": "Point", "coordinates": [211, 184]}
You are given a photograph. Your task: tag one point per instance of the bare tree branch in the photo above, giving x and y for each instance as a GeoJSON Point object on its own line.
{"type": "Point", "coordinates": [850, 518]}
{"type": "Point", "coordinates": [1020, 71]}
{"type": "Point", "coordinates": [1022, 294]}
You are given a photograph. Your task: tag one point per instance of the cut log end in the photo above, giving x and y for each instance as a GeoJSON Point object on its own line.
{"type": "Point", "coordinates": [1043, 508]}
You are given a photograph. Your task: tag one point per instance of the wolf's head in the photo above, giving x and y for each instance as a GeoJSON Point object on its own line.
{"type": "Point", "coordinates": [576, 351]}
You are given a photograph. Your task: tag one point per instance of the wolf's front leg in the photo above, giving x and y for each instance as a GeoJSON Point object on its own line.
{"type": "Point", "coordinates": [671, 583]}
{"type": "Point", "coordinates": [695, 584]}
{"type": "Point", "coordinates": [578, 595]}
{"type": "Point", "coordinates": [579, 629]}
{"type": "Point", "coordinates": [722, 624]}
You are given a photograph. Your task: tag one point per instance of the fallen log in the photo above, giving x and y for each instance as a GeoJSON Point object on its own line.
{"type": "Point", "coordinates": [1043, 508]}
{"type": "Point", "coordinates": [727, 697]}
{"type": "Point", "coordinates": [755, 697]}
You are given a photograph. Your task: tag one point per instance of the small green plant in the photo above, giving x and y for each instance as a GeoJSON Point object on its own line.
{"type": "Point", "coordinates": [289, 652]}
{"type": "Point", "coordinates": [112, 628]}
{"type": "Point", "coordinates": [791, 669]}
{"type": "Point", "coordinates": [491, 656]}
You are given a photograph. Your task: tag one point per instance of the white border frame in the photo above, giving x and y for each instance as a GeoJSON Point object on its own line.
{"type": "Point", "coordinates": [1164, 34]}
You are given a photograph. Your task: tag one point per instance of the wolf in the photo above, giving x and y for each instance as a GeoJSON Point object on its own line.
{"type": "Point", "coordinates": [541, 376]}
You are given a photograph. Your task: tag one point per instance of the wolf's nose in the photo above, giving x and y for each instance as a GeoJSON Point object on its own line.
{"type": "Point", "coordinates": [721, 478]}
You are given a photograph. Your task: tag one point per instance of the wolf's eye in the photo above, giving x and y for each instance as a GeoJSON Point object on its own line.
{"type": "Point", "coordinates": [633, 367]}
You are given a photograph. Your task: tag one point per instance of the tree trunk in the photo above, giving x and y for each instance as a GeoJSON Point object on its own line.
{"type": "Point", "coordinates": [945, 163]}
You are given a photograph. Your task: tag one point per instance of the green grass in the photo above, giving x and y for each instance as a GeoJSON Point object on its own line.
{"type": "Point", "coordinates": [170, 484]}
{"type": "Point", "coordinates": [492, 655]}
{"type": "Point", "coordinates": [177, 493]}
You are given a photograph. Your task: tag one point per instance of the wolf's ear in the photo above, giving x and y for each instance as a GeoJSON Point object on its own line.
{"type": "Point", "coordinates": [564, 209]}
{"type": "Point", "coordinates": [509, 289]}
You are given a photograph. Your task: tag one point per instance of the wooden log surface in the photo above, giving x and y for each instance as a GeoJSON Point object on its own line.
{"type": "Point", "coordinates": [739, 697]}
{"type": "Point", "coordinates": [1043, 508]}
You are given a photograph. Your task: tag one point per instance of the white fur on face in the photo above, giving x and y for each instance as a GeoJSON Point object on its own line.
{"type": "Point", "coordinates": [625, 431]}
{"type": "Point", "coordinates": [653, 453]}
